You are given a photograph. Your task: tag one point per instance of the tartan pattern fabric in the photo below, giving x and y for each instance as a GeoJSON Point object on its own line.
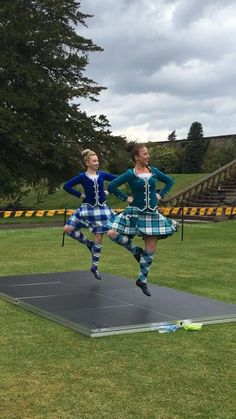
{"type": "Point", "coordinates": [96, 250]}
{"type": "Point", "coordinates": [134, 222]}
{"type": "Point", "coordinates": [125, 242]}
{"type": "Point", "coordinates": [93, 218]}
{"type": "Point", "coordinates": [145, 265]}
{"type": "Point", "coordinates": [77, 235]}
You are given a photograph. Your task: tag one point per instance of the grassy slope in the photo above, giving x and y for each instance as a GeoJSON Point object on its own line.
{"type": "Point", "coordinates": [48, 371]}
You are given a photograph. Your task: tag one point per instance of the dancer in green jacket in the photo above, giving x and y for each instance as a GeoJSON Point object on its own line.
{"type": "Point", "coordinates": [141, 217]}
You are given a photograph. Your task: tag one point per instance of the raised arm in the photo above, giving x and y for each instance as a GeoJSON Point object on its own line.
{"type": "Point", "coordinates": [113, 186]}
{"type": "Point", "coordinates": [162, 177]}
{"type": "Point", "coordinates": [68, 186]}
{"type": "Point", "coordinates": [109, 176]}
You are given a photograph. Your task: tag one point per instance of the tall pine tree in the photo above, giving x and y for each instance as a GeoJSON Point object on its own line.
{"type": "Point", "coordinates": [195, 149]}
{"type": "Point", "coordinates": [172, 136]}
{"type": "Point", "coordinates": [43, 59]}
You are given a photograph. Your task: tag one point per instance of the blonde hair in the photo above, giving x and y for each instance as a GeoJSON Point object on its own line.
{"type": "Point", "coordinates": [86, 154]}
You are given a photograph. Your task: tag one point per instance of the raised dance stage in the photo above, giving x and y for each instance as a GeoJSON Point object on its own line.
{"type": "Point", "coordinates": [111, 306]}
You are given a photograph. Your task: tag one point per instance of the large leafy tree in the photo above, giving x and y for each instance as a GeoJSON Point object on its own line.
{"type": "Point", "coordinates": [195, 149]}
{"type": "Point", "coordinates": [166, 158]}
{"type": "Point", "coordinates": [219, 154]}
{"type": "Point", "coordinates": [43, 59]}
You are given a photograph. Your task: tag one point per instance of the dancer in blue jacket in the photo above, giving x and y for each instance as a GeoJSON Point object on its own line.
{"type": "Point", "coordinates": [141, 217]}
{"type": "Point", "coordinates": [93, 213]}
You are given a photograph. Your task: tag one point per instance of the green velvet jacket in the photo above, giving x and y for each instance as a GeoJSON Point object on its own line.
{"type": "Point", "coordinates": [143, 191]}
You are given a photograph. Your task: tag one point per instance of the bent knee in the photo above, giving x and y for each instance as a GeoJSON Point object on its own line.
{"type": "Point", "coordinates": [112, 234]}
{"type": "Point", "coordinates": [68, 229]}
{"type": "Point", "coordinates": [98, 238]}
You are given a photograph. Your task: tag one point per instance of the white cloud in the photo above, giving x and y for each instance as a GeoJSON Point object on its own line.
{"type": "Point", "coordinates": [165, 63]}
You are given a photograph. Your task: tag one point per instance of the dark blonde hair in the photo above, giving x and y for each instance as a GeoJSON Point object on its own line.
{"type": "Point", "coordinates": [133, 148]}
{"type": "Point", "coordinates": [86, 154]}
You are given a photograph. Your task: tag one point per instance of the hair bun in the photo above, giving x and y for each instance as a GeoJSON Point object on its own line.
{"type": "Point", "coordinates": [86, 152]}
{"type": "Point", "coordinates": [129, 146]}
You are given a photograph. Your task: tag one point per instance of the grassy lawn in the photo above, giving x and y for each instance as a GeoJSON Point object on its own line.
{"type": "Point", "coordinates": [48, 371]}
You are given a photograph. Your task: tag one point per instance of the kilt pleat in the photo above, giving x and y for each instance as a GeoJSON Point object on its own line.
{"type": "Point", "coordinates": [93, 218]}
{"type": "Point", "coordinates": [134, 222]}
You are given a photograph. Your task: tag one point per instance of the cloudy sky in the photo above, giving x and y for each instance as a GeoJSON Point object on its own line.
{"type": "Point", "coordinates": [166, 64]}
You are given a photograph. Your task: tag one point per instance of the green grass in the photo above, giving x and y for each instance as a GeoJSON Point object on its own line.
{"type": "Point", "coordinates": [48, 371]}
{"type": "Point", "coordinates": [183, 181]}
{"type": "Point", "coordinates": [32, 220]}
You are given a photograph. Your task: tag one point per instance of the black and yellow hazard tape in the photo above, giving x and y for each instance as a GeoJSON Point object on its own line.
{"type": "Point", "coordinates": [35, 213]}
{"type": "Point", "coordinates": [167, 211]}
{"type": "Point", "coordinates": [198, 211]}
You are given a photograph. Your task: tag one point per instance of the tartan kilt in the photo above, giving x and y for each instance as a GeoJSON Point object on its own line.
{"type": "Point", "coordinates": [134, 222]}
{"type": "Point", "coordinates": [93, 218]}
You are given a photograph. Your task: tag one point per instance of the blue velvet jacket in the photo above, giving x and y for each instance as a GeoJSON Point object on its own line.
{"type": "Point", "coordinates": [143, 190]}
{"type": "Point", "coordinates": [93, 188]}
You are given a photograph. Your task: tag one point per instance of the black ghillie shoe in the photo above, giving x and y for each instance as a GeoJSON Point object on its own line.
{"type": "Point", "coordinates": [143, 287]}
{"type": "Point", "coordinates": [138, 254]}
{"type": "Point", "coordinates": [96, 273]}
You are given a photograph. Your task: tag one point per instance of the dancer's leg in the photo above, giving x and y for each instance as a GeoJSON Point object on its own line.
{"type": "Point", "coordinates": [125, 242]}
{"type": "Point", "coordinates": [146, 262]}
{"type": "Point", "coordinates": [96, 252]}
{"type": "Point", "coordinates": [76, 234]}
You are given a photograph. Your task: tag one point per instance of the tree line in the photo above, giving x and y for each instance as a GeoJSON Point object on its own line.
{"type": "Point", "coordinates": [195, 154]}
